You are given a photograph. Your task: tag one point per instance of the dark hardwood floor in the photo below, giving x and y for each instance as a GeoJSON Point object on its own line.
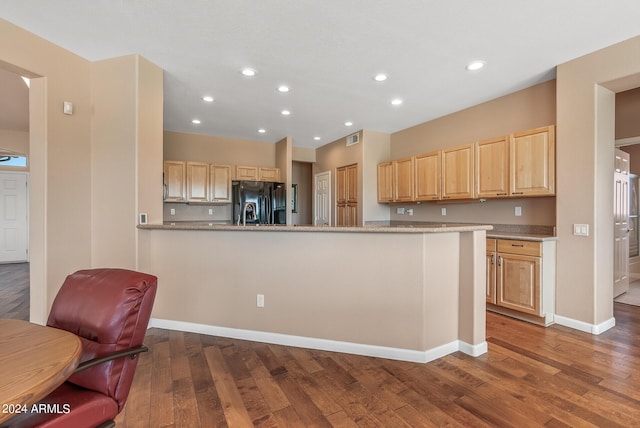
{"type": "Point", "coordinates": [531, 376]}
{"type": "Point", "coordinates": [14, 291]}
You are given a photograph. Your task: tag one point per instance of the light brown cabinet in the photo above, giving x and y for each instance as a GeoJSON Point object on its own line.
{"type": "Point", "coordinates": [220, 183]}
{"type": "Point", "coordinates": [269, 174]}
{"type": "Point", "coordinates": [175, 184]}
{"type": "Point", "coordinates": [532, 162]}
{"type": "Point", "coordinates": [347, 195]}
{"type": "Point", "coordinates": [492, 168]}
{"type": "Point", "coordinates": [197, 182]}
{"type": "Point", "coordinates": [521, 279]}
{"type": "Point", "coordinates": [254, 173]}
{"type": "Point", "coordinates": [427, 176]}
{"type": "Point", "coordinates": [396, 181]}
{"type": "Point", "coordinates": [457, 172]}
{"type": "Point", "coordinates": [246, 173]}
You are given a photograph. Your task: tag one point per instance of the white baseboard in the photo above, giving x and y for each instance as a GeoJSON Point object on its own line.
{"type": "Point", "coordinates": [586, 327]}
{"type": "Point", "coordinates": [324, 344]}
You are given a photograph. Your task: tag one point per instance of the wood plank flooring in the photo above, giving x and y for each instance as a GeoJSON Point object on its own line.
{"type": "Point", "coordinates": [14, 291]}
{"type": "Point", "coordinates": [531, 376]}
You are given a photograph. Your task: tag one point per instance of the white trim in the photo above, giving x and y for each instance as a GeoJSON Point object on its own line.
{"type": "Point", "coordinates": [324, 344]}
{"type": "Point", "coordinates": [627, 141]}
{"type": "Point", "coordinates": [586, 327]}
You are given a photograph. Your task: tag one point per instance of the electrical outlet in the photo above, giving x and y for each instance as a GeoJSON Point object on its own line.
{"type": "Point", "coordinates": [173, 211]}
{"type": "Point", "coordinates": [210, 211]}
{"type": "Point", "coordinates": [444, 211]}
{"type": "Point", "coordinates": [518, 211]}
{"type": "Point", "coordinates": [410, 211]}
{"type": "Point", "coordinates": [400, 211]}
{"type": "Point", "coordinates": [260, 300]}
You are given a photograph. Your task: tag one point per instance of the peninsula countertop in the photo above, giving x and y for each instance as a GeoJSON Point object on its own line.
{"type": "Point", "coordinates": [204, 226]}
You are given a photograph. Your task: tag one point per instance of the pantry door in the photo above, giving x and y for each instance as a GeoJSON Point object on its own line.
{"type": "Point", "coordinates": [13, 217]}
{"type": "Point", "coordinates": [621, 223]}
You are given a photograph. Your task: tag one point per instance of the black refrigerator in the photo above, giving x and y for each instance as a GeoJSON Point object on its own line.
{"type": "Point", "coordinates": [259, 202]}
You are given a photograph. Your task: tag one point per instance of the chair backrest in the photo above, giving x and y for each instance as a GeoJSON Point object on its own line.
{"type": "Point", "coordinates": [109, 310]}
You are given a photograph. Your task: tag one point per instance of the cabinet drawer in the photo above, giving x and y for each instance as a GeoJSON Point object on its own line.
{"type": "Point", "coordinates": [491, 244]}
{"type": "Point", "coordinates": [526, 248]}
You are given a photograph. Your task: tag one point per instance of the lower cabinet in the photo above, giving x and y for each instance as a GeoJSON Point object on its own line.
{"type": "Point", "coordinates": [347, 215]}
{"type": "Point", "coordinates": [521, 279]}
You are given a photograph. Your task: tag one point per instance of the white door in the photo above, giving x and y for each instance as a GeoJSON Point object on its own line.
{"type": "Point", "coordinates": [13, 217]}
{"type": "Point", "coordinates": [621, 223]}
{"type": "Point", "coordinates": [322, 198]}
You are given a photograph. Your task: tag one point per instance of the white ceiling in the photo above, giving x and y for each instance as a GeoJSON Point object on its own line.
{"type": "Point", "coordinates": [327, 51]}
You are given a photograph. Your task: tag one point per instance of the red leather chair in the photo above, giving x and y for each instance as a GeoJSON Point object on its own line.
{"type": "Point", "coordinates": [109, 310]}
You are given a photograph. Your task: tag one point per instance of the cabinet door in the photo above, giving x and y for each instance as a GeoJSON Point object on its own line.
{"type": "Point", "coordinates": [385, 182]}
{"type": "Point", "coordinates": [518, 283]}
{"type": "Point", "coordinates": [352, 215]}
{"type": "Point", "coordinates": [341, 185]}
{"type": "Point", "coordinates": [246, 173]}
{"type": "Point", "coordinates": [175, 181]}
{"type": "Point", "coordinates": [457, 172]}
{"type": "Point", "coordinates": [492, 168]}
{"type": "Point", "coordinates": [220, 183]}
{"type": "Point", "coordinates": [268, 174]}
{"type": "Point", "coordinates": [427, 176]}
{"type": "Point", "coordinates": [403, 177]}
{"type": "Point", "coordinates": [532, 163]}
{"type": "Point", "coordinates": [491, 277]}
{"type": "Point", "coordinates": [352, 184]}
{"type": "Point", "coordinates": [197, 182]}
{"type": "Point", "coordinates": [341, 215]}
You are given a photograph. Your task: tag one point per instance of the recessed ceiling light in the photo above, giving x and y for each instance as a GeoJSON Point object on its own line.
{"type": "Point", "coordinates": [283, 88]}
{"type": "Point", "coordinates": [475, 65]}
{"type": "Point", "coordinates": [207, 99]}
{"type": "Point", "coordinates": [396, 102]}
{"type": "Point", "coordinates": [380, 77]}
{"type": "Point", "coordinates": [348, 123]}
{"type": "Point", "coordinates": [316, 138]}
{"type": "Point", "coordinates": [249, 72]}
{"type": "Point", "coordinates": [196, 121]}
{"type": "Point", "coordinates": [262, 130]}
{"type": "Point", "coordinates": [285, 112]}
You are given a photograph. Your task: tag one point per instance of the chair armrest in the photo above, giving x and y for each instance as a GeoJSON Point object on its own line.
{"type": "Point", "coordinates": [132, 352]}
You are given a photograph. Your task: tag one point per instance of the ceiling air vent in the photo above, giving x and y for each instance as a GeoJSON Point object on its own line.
{"type": "Point", "coordinates": [353, 139]}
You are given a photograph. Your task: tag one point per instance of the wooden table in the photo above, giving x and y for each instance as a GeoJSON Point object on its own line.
{"type": "Point", "coordinates": [34, 360]}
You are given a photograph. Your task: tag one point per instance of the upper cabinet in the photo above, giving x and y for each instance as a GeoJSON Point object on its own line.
{"type": "Point", "coordinates": [492, 168]}
{"type": "Point", "coordinates": [517, 165]}
{"type": "Point", "coordinates": [220, 183]}
{"type": "Point", "coordinates": [197, 182]}
{"type": "Point", "coordinates": [457, 172]}
{"type": "Point", "coordinates": [533, 162]}
{"type": "Point", "coordinates": [174, 181]}
{"type": "Point", "coordinates": [396, 181]}
{"type": "Point", "coordinates": [428, 176]}
{"type": "Point", "coordinates": [254, 173]}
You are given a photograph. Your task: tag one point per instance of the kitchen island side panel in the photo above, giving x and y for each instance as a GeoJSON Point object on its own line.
{"type": "Point", "coordinates": [382, 289]}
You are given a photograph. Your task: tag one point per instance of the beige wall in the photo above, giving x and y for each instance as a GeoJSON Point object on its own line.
{"type": "Point", "coordinates": [65, 161]}
{"type": "Point", "coordinates": [376, 148]}
{"type": "Point", "coordinates": [301, 175]}
{"type": "Point", "coordinates": [585, 136]}
{"type": "Point", "coordinates": [127, 158]}
{"type": "Point", "coordinates": [628, 114]}
{"type": "Point", "coordinates": [221, 150]}
{"type": "Point", "coordinates": [17, 141]}
{"type": "Point", "coordinates": [526, 109]}
{"type": "Point", "coordinates": [396, 290]}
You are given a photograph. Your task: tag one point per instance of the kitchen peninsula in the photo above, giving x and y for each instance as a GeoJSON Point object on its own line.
{"type": "Point", "coordinates": [409, 293]}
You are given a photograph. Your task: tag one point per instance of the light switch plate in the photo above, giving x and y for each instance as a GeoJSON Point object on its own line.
{"type": "Point", "coordinates": [518, 211]}
{"type": "Point", "coordinates": [581, 229]}
{"type": "Point", "coordinates": [400, 210]}
{"type": "Point", "coordinates": [444, 211]}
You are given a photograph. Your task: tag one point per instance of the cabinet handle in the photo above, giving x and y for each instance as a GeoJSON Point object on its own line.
{"type": "Point", "coordinates": [501, 194]}
{"type": "Point", "coordinates": [518, 245]}
{"type": "Point", "coordinates": [492, 258]}
{"type": "Point", "coordinates": [518, 193]}
{"type": "Point", "coordinates": [446, 197]}
{"type": "Point", "coordinates": [499, 260]}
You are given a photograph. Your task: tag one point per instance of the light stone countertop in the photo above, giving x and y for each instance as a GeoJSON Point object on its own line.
{"type": "Point", "coordinates": [521, 236]}
{"type": "Point", "coordinates": [442, 228]}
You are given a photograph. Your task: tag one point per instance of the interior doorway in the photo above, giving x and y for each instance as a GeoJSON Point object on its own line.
{"type": "Point", "coordinates": [322, 198]}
